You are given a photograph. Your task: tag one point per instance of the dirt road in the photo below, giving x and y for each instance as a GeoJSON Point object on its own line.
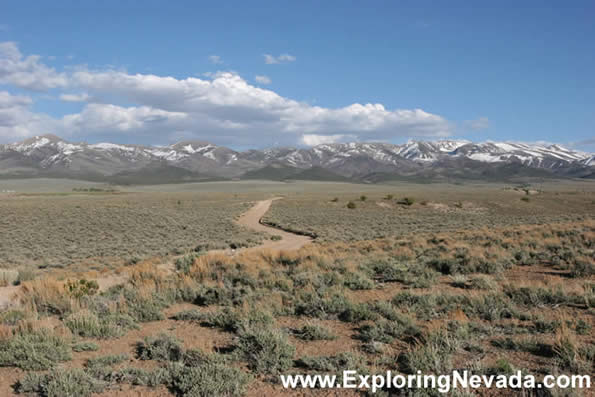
{"type": "Point", "coordinates": [250, 219]}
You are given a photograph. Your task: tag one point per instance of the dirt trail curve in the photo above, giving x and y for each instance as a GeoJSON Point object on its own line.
{"type": "Point", "coordinates": [250, 219]}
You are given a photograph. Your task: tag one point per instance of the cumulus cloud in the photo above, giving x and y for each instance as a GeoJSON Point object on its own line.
{"type": "Point", "coordinates": [262, 79]}
{"type": "Point", "coordinates": [17, 120]}
{"type": "Point", "coordinates": [223, 108]}
{"type": "Point", "coordinates": [27, 72]}
{"type": "Point", "coordinates": [84, 97]}
{"type": "Point", "coordinates": [313, 139]}
{"type": "Point", "coordinates": [215, 59]}
{"type": "Point", "coordinates": [283, 58]}
{"type": "Point", "coordinates": [107, 117]}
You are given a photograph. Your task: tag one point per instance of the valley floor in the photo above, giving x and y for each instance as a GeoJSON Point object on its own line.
{"type": "Point", "coordinates": [430, 278]}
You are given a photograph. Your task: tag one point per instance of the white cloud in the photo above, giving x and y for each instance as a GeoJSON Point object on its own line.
{"type": "Point", "coordinates": [106, 117]}
{"type": "Point", "coordinates": [7, 100]}
{"type": "Point", "coordinates": [223, 108]}
{"type": "Point", "coordinates": [262, 79]}
{"type": "Point", "coordinates": [478, 124]}
{"type": "Point", "coordinates": [17, 121]}
{"type": "Point", "coordinates": [313, 140]}
{"type": "Point", "coordinates": [215, 59]}
{"type": "Point", "coordinates": [271, 59]}
{"type": "Point", "coordinates": [27, 72]}
{"type": "Point", "coordinates": [84, 97]}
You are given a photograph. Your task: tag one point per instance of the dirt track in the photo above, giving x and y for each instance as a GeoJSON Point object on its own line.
{"type": "Point", "coordinates": [250, 219]}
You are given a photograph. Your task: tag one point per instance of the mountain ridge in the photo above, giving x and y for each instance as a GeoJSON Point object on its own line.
{"type": "Point", "coordinates": [50, 155]}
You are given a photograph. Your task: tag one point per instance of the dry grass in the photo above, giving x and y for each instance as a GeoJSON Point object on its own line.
{"type": "Point", "coordinates": [492, 297]}
{"type": "Point", "coordinates": [449, 209]}
{"type": "Point", "coordinates": [57, 231]}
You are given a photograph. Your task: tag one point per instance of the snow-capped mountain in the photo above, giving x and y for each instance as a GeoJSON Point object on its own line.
{"type": "Point", "coordinates": [48, 155]}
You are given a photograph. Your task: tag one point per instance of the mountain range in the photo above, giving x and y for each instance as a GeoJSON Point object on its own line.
{"type": "Point", "coordinates": [445, 160]}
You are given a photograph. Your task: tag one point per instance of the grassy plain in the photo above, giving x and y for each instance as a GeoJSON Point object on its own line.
{"type": "Point", "coordinates": [478, 277]}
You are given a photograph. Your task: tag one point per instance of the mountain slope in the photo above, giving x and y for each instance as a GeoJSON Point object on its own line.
{"type": "Point", "coordinates": [49, 155]}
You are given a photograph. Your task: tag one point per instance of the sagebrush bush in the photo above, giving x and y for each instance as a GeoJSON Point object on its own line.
{"type": "Point", "coordinates": [408, 201]}
{"type": "Point", "coordinates": [69, 382]}
{"type": "Point", "coordinates": [104, 361]}
{"type": "Point", "coordinates": [386, 331]}
{"type": "Point", "coordinates": [323, 307]}
{"type": "Point", "coordinates": [162, 347]}
{"type": "Point", "coordinates": [37, 350]}
{"type": "Point", "coordinates": [266, 351]}
{"type": "Point", "coordinates": [314, 332]}
{"type": "Point", "coordinates": [210, 379]}
{"type": "Point", "coordinates": [85, 347]}
{"type": "Point", "coordinates": [13, 317]}
{"type": "Point", "coordinates": [357, 281]}
{"type": "Point", "coordinates": [539, 296]}
{"type": "Point", "coordinates": [334, 364]}
{"type": "Point", "coordinates": [145, 308]}
{"type": "Point", "coordinates": [433, 356]}
{"type": "Point", "coordinates": [184, 263]}
{"type": "Point", "coordinates": [415, 275]}
{"type": "Point", "coordinates": [88, 325]}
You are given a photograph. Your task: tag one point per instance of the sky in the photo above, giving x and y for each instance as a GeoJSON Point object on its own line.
{"type": "Point", "coordinates": [273, 73]}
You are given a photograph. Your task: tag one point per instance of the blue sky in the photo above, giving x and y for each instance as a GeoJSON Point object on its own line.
{"type": "Point", "coordinates": [153, 72]}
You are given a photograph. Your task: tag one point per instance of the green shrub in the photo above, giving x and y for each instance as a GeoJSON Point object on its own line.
{"type": "Point", "coordinates": [414, 275]}
{"type": "Point", "coordinates": [236, 321]}
{"type": "Point", "coordinates": [162, 347]}
{"type": "Point", "coordinates": [539, 296]}
{"type": "Point", "coordinates": [433, 356]}
{"type": "Point", "coordinates": [386, 331]}
{"type": "Point", "coordinates": [88, 325]}
{"type": "Point", "coordinates": [208, 380]}
{"type": "Point", "coordinates": [79, 288]}
{"type": "Point", "coordinates": [276, 237]}
{"type": "Point", "coordinates": [333, 364]}
{"type": "Point", "coordinates": [184, 263]}
{"type": "Point", "coordinates": [106, 361]}
{"type": "Point", "coordinates": [314, 332]}
{"type": "Point", "coordinates": [197, 358]}
{"type": "Point", "coordinates": [136, 376]}
{"type": "Point", "coordinates": [355, 313]}
{"type": "Point", "coordinates": [69, 382]}
{"type": "Point", "coordinates": [324, 307]}
{"type": "Point", "coordinates": [483, 283]}
{"type": "Point", "coordinates": [356, 281]}
{"type": "Point", "coordinates": [351, 205]}
{"type": "Point", "coordinates": [143, 308]}
{"type": "Point", "coordinates": [36, 351]}
{"type": "Point", "coordinates": [266, 351]}
{"type": "Point", "coordinates": [406, 201]}
{"type": "Point", "coordinates": [190, 315]}
{"type": "Point", "coordinates": [491, 307]}
{"type": "Point", "coordinates": [362, 198]}
{"type": "Point", "coordinates": [386, 310]}
{"type": "Point", "coordinates": [85, 347]}
{"type": "Point", "coordinates": [12, 317]}
{"type": "Point", "coordinates": [582, 268]}
{"type": "Point", "coordinates": [426, 307]}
